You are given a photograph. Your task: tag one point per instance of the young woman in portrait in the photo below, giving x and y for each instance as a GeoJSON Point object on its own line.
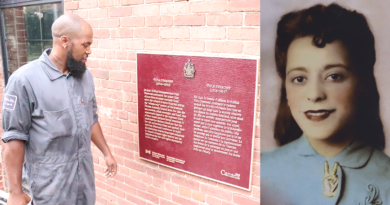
{"type": "Point", "coordinates": [328, 123]}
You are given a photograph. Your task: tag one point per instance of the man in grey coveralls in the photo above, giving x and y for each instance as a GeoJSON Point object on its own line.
{"type": "Point", "coordinates": [49, 119]}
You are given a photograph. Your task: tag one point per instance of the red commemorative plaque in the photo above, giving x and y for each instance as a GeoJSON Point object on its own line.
{"type": "Point", "coordinates": [197, 114]}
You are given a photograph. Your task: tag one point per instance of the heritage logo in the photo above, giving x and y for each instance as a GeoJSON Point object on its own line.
{"type": "Point", "coordinates": [9, 102]}
{"type": "Point", "coordinates": [235, 176]}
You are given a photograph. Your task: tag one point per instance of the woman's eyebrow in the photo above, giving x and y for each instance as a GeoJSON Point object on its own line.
{"type": "Point", "coordinates": [336, 65]}
{"type": "Point", "coordinates": [297, 69]}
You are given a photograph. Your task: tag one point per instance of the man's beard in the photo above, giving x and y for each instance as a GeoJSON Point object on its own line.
{"type": "Point", "coordinates": [76, 68]}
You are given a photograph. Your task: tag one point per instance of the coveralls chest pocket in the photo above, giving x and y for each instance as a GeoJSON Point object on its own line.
{"type": "Point", "coordinates": [58, 123]}
{"type": "Point", "coordinates": [86, 108]}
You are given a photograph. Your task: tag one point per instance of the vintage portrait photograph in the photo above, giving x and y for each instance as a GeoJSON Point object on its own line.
{"type": "Point", "coordinates": [325, 97]}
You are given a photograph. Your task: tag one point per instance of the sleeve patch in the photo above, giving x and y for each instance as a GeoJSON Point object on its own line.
{"type": "Point", "coordinates": [9, 102]}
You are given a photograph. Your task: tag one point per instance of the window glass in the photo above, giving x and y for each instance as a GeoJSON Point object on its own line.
{"type": "Point", "coordinates": [28, 32]}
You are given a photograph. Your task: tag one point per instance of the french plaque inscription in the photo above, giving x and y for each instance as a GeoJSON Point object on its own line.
{"type": "Point", "coordinates": [196, 114]}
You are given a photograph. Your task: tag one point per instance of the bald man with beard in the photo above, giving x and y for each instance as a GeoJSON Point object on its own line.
{"type": "Point", "coordinates": [49, 120]}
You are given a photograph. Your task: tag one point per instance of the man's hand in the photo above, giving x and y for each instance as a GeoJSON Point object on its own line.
{"type": "Point", "coordinates": [18, 199]}
{"type": "Point", "coordinates": [112, 166]}
{"type": "Point", "coordinates": [98, 139]}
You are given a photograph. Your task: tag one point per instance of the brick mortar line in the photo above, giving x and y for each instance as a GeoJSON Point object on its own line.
{"type": "Point", "coordinates": [166, 3]}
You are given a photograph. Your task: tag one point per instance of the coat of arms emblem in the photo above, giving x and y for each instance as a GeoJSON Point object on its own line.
{"type": "Point", "coordinates": [189, 70]}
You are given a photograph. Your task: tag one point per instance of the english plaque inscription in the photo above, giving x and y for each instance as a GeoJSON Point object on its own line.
{"type": "Point", "coordinates": [201, 122]}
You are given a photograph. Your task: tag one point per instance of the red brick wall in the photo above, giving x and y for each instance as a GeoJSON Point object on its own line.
{"type": "Point", "coordinates": [121, 29]}
{"type": "Point", "coordinates": [16, 38]}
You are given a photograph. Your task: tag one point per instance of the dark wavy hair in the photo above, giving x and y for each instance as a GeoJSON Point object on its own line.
{"type": "Point", "coordinates": [326, 24]}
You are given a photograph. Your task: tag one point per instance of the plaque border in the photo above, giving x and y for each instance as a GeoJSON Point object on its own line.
{"type": "Point", "coordinates": [254, 116]}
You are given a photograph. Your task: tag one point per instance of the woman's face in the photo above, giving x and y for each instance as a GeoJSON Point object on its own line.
{"type": "Point", "coordinates": [321, 87]}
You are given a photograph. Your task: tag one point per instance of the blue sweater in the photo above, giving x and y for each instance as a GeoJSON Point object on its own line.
{"type": "Point", "coordinates": [293, 174]}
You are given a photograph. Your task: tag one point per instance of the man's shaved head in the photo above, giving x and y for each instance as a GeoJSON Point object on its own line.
{"type": "Point", "coordinates": [68, 25]}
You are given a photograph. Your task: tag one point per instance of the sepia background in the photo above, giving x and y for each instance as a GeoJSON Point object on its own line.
{"type": "Point", "coordinates": [378, 17]}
